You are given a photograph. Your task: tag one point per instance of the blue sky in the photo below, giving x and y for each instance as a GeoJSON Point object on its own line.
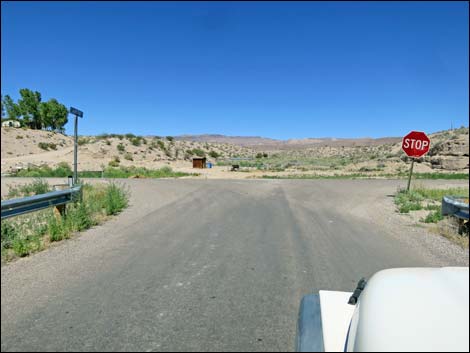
{"type": "Point", "coordinates": [274, 69]}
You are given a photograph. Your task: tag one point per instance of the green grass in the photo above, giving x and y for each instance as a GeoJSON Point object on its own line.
{"type": "Point", "coordinates": [433, 217]}
{"type": "Point", "coordinates": [416, 198]}
{"type": "Point", "coordinates": [62, 170]}
{"type": "Point", "coordinates": [127, 172]}
{"type": "Point", "coordinates": [112, 171]}
{"type": "Point", "coordinates": [38, 186]}
{"type": "Point", "coordinates": [26, 234]}
{"type": "Point", "coordinates": [447, 176]}
{"type": "Point", "coordinates": [317, 176]}
{"type": "Point", "coordinates": [437, 194]}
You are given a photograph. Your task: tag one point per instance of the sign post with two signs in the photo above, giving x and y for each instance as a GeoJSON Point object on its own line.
{"type": "Point", "coordinates": [416, 144]}
{"type": "Point", "coordinates": [77, 113]}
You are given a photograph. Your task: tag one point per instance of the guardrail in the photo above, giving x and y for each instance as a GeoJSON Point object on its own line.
{"type": "Point", "coordinates": [15, 207]}
{"type": "Point", "coordinates": [455, 206]}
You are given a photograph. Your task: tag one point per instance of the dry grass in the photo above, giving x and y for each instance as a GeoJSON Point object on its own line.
{"type": "Point", "coordinates": [448, 228]}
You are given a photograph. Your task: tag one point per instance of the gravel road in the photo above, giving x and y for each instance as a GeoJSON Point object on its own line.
{"type": "Point", "coordinates": [210, 265]}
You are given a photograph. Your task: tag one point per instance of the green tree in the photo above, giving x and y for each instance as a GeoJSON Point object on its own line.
{"type": "Point", "coordinates": [29, 108]}
{"type": "Point", "coordinates": [53, 114]}
{"type": "Point", "coordinates": [11, 108]}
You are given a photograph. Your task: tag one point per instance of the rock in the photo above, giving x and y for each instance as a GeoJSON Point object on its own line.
{"type": "Point", "coordinates": [450, 162]}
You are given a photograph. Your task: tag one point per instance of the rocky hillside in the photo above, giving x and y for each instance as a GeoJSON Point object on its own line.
{"type": "Point", "coordinates": [21, 148]}
{"type": "Point", "coordinates": [449, 150]}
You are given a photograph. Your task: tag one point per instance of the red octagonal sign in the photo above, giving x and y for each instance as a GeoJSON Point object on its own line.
{"type": "Point", "coordinates": [415, 144]}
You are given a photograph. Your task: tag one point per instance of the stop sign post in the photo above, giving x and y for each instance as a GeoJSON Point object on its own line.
{"type": "Point", "coordinates": [415, 144]}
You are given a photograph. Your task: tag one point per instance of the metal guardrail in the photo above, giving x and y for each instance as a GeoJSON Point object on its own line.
{"type": "Point", "coordinates": [15, 207]}
{"type": "Point", "coordinates": [455, 206]}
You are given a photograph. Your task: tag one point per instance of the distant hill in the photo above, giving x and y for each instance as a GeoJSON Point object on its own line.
{"type": "Point", "coordinates": [263, 143]}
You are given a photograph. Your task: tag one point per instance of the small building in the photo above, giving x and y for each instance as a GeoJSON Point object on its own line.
{"type": "Point", "coordinates": [11, 123]}
{"type": "Point", "coordinates": [199, 162]}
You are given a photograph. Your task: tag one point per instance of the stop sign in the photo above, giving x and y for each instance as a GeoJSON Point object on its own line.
{"type": "Point", "coordinates": [415, 144]}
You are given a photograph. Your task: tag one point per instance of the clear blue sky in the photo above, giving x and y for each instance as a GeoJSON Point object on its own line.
{"type": "Point", "coordinates": [274, 69]}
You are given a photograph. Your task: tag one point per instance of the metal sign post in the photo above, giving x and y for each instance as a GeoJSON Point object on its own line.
{"type": "Point", "coordinates": [77, 114]}
{"type": "Point", "coordinates": [415, 144]}
{"type": "Point", "coordinates": [411, 172]}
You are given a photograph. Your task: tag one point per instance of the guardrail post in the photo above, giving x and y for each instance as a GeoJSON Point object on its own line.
{"type": "Point", "coordinates": [59, 211]}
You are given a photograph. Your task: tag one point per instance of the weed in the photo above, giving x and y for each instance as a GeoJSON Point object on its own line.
{"type": "Point", "coordinates": [116, 199]}
{"type": "Point", "coordinates": [433, 217]}
{"type": "Point", "coordinates": [57, 229]}
{"type": "Point", "coordinates": [9, 233]}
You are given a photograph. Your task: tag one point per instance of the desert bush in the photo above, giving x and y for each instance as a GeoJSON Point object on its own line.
{"type": "Point", "coordinates": [198, 152]}
{"type": "Point", "coordinates": [83, 140]}
{"type": "Point", "coordinates": [115, 162]}
{"type": "Point", "coordinates": [128, 156]}
{"type": "Point", "coordinates": [120, 147]}
{"type": "Point", "coordinates": [136, 141]}
{"type": "Point", "coordinates": [46, 146]}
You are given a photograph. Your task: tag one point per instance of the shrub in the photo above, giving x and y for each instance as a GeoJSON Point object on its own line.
{"type": "Point", "coordinates": [83, 140]}
{"type": "Point", "coordinates": [198, 152]}
{"type": "Point", "coordinates": [115, 162]}
{"type": "Point", "coordinates": [18, 137]}
{"type": "Point", "coordinates": [129, 135]}
{"type": "Point", "coordinates": [214, 154]}
{"type": "Point", "coordinates": [128, 156]}
{"type": "Point", "coordinates": [43, 145]}
{"type": "Point", "coordinates": [259, 155]}
{"type": "Point", "coordinates": [120, 147]}
{"type": "Point", "coordinates": [63, 169]}
{"type": "Point", "coordinates": [170, 138]}
{"type": "Point", "coordinates": [101, 136]}
{"type": "Point", "coordinates": [161, 145]}
{"type": "Point", "coordinates": [136, 141]}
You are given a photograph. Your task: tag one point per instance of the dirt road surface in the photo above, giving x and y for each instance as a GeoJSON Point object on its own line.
{"type": "Point", "coordinates": [210, 265]}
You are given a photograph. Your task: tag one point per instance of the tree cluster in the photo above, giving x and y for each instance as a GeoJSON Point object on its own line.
{"type": "Point", "coordinates": [30, 111]}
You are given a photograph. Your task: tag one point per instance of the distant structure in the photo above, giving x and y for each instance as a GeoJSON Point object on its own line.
{"type": "Point", "coordinates": [11, 123]}
{"type": "Point", "coordinates": [199, 162]}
